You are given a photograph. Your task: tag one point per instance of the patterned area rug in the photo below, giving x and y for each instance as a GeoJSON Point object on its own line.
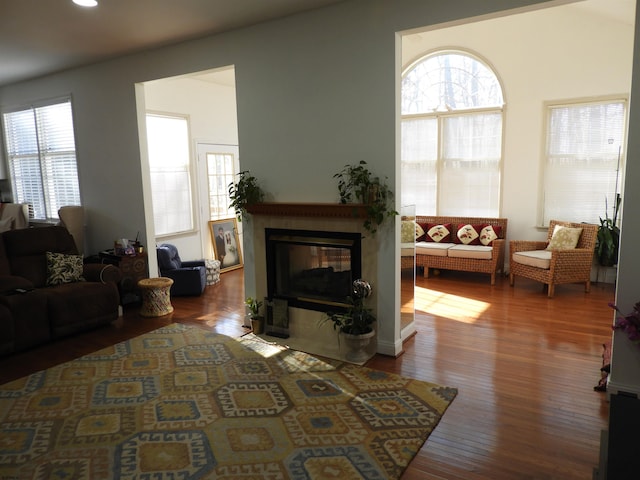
{"type": "Point", "coordinates": [184, 403]}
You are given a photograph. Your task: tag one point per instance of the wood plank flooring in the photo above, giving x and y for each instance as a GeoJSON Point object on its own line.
{"type": "Point", "coordinates": [525, 366]}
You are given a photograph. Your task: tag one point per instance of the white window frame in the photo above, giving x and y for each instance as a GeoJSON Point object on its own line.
{"type": "Point", "coordinates": [43, 168]}
{"type": "Point", "coordinates": [592, 194]}
{"type": "Point", "coordinates": [218, 183]}
{"type": "Point", "coordinates": [446, 191]}
{"type": "Point", "coordinates": [171, 171]}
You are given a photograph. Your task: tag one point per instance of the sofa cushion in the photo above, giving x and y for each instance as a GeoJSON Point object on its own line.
{"type": "Point", "coordinates": [74, 307]}
{"type": "Point", "coordinates": [63, 268]}
{"type": "Point", "coordinates": [439, 233]}
{"type": "Point", "coordinates": [31, 323]}
{"type": "Point", "coordinates": [489, 233]}
{"type": "Point", "coordinates": [470, 251]}
{"type": "Point", "coordinates": [564, 238]}
{"type": "Point", "coordinates": [534, 258]}
{"type": "Point", "coordinates": [407, 249]}
{"type": "Point", "coordinates": [437, 249]}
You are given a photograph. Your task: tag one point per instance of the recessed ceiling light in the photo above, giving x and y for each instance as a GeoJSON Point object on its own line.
{"type": "Point", "coordinates": [86, 3]}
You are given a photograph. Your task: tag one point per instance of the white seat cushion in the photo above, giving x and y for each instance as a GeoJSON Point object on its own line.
{"type": "Point", "coordinates": [534, 258]}
{"type": "Point", "coordinates": [470, 251]}
{"type": "Point", "coordinates": [407, 249]}
{"type": "Point", "coordinates": [433, 248]}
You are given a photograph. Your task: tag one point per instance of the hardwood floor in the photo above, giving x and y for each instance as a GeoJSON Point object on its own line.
{"type": "Point", "coordinates": [525, 366]}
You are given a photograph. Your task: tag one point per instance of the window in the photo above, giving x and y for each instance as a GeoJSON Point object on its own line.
{"type": "Point", "coordinates": [41, 154]}
{"type": "Point", "coordinates": [582, 164]}
{"type": "Point", "coordinates": [452, 111]}
{"type": "Point", "coordinates": [220, 171]}
{"type": "Point", "coordinates": [170, 170]}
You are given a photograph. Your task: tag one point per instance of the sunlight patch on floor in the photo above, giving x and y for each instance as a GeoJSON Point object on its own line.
{"type": "Point", "coordinates": [445, 305]}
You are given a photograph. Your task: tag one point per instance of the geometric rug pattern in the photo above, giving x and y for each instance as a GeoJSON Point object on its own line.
{"type": "Point", "coordinates": [184, 403]}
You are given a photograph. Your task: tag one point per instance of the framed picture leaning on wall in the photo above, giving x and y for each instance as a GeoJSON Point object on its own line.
{"type": "Point", "coordinates": [226, 245]}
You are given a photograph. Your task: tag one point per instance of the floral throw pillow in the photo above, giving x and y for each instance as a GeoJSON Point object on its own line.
{"type": "Point", "coordinates": [407, 231]}
{"type": "Point", "coordinates": [468, 234]}
{"type": "Point", "coordinates": [62, 268]}
{"type": "Point", "coordinates": [439, 233]}
{"type": "Point", "coordinates": [488, 234]}
{"type": "Point", "coordinates": [564, 238]}
{"type": "Point", "coordinates": [410, 231]}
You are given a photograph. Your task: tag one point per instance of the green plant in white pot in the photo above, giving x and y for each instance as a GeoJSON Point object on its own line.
{"type": "Point", "coordinates": [356, 323]}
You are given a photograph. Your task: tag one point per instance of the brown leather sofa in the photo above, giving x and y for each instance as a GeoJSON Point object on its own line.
{"type": "Point", "coordinates": [33, 312]}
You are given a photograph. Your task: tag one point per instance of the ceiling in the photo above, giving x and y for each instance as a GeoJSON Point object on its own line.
{"type": "Point", "coordinates": [39, 37]}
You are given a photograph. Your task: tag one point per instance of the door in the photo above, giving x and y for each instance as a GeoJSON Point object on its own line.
{"type": "Point", "coordinates": [217, 168]}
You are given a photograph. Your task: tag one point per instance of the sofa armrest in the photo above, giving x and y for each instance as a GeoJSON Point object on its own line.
{"type": "Point", "coordinates": [526, 245]}
{"type": "Point", "coordinates": [193, 263]}
{"type": "Point", "coordinates": [573, 256]}
{"type": "Point", "coordinates": [9, 284]}
{"type": "Point", "coordinates": [101, 272]}
{"type": "Point", "coordinates": [183, 273]}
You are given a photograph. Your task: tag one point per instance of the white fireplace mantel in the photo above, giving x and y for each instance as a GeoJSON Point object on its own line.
{"type": "Point", "coordinates": [306, 327]}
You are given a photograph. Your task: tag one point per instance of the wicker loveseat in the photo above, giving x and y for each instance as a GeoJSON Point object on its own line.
{"type": "Point", "coordinates": [453, 254]}
{"type": "Point", "coordinates": [553, 266]}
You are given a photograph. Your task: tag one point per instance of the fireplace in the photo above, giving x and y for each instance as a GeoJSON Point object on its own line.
{"type": "Point", "coordinates": [312, 269]}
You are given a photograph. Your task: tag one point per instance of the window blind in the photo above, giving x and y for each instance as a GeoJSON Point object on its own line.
{"type": "Point", "coordinates": [169, 167]}
{"type": "Point", "coordinates": [582, 167]}
{"type": "Point", "coordinates": [220, 173]}
{"type": "Point", "coordinates": [42, 158]}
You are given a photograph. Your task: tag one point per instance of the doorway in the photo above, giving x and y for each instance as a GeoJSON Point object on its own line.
{"type": "Point", "coordinates": [208, 100]}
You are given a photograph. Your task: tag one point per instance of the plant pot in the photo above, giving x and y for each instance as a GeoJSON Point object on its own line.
{"type": "Point", "coordinates": [357, 346]}
{"type": "Point", "coordinates": [257, 325]}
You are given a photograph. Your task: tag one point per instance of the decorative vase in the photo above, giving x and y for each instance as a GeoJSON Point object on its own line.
{"type": "Point", "coordinates": [357, 346]}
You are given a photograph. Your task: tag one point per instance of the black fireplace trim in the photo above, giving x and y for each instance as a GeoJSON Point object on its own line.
{"type": "Point", "coordinates": [304, 303]}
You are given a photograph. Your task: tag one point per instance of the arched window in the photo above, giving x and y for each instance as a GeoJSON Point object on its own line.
{"type": "Point", "coordinates": [452, 115]}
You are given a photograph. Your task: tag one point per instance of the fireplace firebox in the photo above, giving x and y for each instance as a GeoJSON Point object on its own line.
{"type": "Point", "coordinates": [312, 269]}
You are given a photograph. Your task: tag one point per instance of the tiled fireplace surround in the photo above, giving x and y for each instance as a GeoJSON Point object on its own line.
{"type": "Point", "coordinates": [307, 330]}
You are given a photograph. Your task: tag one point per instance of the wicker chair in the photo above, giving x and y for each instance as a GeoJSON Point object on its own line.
{"type": "Point", "coordinates": [565, 266]}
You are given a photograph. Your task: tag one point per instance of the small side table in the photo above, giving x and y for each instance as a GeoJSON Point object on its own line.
{"type": "Point", "coordinates": [156, 300]}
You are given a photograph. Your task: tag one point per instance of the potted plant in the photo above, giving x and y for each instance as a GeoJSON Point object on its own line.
{"type": "Point", "coordinates": [257, 320]}
{"type": "Point", "coordinates": [245, 192]}
{"type": "Point", "coordinates": [355, 324]}
{"type": "Point", "coordinates": [356, 183]}
{"type": "Point", "coordinates": [608, 237]}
